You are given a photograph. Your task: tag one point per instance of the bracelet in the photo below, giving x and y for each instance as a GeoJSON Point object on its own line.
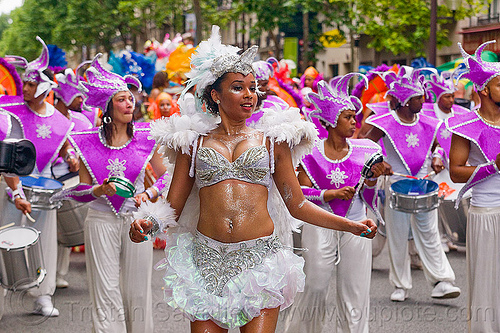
{"type": "Point", "coordinates": [372, 179]}
{"type": "Point", "coordinates": [149, 194]}
{"type": "Point", "coordinates": [156, 226]}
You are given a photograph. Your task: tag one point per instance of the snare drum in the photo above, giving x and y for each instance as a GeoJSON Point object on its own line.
{"type": "Point", "coordinates": [414, 195]}
{"type": "Point", "coordinates": [38, 191]}
{"type": "Point", "coordinates": [71, 219]}
{"type": "Point", "coordinates": [455, 220]}
{"type": "Point", "coordinates": [21, 261]}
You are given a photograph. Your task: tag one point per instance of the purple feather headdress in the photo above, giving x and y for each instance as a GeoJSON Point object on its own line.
{"type": "Point", "coordinates": [404, 85]}
{"type": "Point", "coordinates": [102, 85]}
{"type": "Point", "coordinates": [264, 69]}
{"type": "Point", "coordinates": [68, 85]}
{"type": "Point", "coordinates": [478, 71]}
{"type": "Point", "coordinates": [331, 101]}
{"type": "Point", "coordinates": [438, 85]}
{"type": "Point", "coordinates": [33, 71]}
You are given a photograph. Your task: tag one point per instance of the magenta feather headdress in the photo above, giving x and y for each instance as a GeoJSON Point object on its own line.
{"type": "Point", "coordinates": [68, 85]}
{"type": "Point", "coordinates": [478, 71]}
{"type": "Point", "coordinates": [102, 85]}
{"type": "Point", "coordinates": [332, 100]}
{"type": "Point", "coordinates": [404, 85]}
{"type": "Point", "coordinates": [33, 71]}
{"type": "Point", "coordinates": [438, 85]}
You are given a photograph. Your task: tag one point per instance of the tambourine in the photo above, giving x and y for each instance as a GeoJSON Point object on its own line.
{"type": "Point", "coordinates": [124, 187]}
{"type": "Point", "coordinates": [367, 168]}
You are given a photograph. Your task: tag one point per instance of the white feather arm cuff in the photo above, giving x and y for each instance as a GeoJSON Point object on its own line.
{"type": "Point", "coordinates": [160, 213]}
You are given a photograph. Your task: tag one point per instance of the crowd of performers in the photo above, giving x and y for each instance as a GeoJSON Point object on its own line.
{"type": "Point", "coordinates": [238, 166]}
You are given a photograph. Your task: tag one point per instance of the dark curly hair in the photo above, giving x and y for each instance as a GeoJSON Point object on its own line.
{"type": "Point", "coordinates": [212, 107]}
{"type": "Point", "coordinates": [108, 128]}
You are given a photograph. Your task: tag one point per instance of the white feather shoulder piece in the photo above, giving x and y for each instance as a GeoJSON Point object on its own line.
{"type": "Point", "coordinates": [179, 133]}
{"type": "Point", "coordinates": [288, 126]}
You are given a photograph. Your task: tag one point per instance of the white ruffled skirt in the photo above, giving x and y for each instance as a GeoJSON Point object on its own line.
{"type": "Point", "coordinates": [229, 283]}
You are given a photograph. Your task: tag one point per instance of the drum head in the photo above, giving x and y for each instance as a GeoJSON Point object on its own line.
{"type": "Point", "coordinates": [414, 186]}
{"type": "Point", "coordinates": [14, 238]}
{"type": "Point", "coordinates": [41, 182]}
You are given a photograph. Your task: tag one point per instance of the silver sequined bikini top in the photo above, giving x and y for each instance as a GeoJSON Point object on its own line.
{"type": "Point", "coordinates": [252, 166]}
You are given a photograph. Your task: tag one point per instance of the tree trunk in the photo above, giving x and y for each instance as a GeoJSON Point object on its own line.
{"type": "Point", "coordinates": [277, 46]}
{"type": "Point", "coordinates": [305, 38]}
{"type": "Point", "coordinates": [199, 21]}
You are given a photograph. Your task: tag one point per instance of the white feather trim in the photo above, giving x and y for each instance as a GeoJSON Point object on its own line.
{"type": "Point", "coordinates": [288, 126]}
{"type": "Point", "coordinates": [179, 133]}
{"type": "Point", "coordinates": [161, 211]}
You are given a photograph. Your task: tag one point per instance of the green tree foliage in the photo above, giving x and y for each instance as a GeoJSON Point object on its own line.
{"type": "Point", "coordinates": [71, 24]}
{"type": "Point", "coordinates": [402, 26]}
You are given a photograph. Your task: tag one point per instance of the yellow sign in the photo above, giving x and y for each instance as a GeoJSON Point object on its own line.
{"type": "Point", "coordinates": [332, 38]}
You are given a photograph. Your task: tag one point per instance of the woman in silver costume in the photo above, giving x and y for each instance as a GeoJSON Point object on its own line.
{"type": "Point", "coordinates": [232, 269]}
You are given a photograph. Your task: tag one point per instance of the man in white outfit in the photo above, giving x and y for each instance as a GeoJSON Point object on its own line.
{"type": "Point", "coordinates": [409, 138]}
{"type": "Point", "coordinates": [475, 160]}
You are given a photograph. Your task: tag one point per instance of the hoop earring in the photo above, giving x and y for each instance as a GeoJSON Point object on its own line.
{"type": "Point", "coordinates": [106, 119]}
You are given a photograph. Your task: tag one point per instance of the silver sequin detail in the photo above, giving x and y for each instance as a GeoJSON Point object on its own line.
{"type": "Point", "coordinates": [218, 264]}
{"type": "Point", "coordinates": [247, 167]}
{"type": "Point", "coordinates": [232, 63]}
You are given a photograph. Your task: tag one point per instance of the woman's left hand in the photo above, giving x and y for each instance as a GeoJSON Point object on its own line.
{"type": "Point", "coordinates": [437, 165]}
{"type": "Point", "coordinates": [140, 198]}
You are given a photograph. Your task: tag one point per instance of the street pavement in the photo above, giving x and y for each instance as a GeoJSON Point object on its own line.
{"type": "Point", "coordinates": [419, 313]}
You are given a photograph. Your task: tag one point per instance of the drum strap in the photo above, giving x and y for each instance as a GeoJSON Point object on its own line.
{"type": "Point", "coordinates": [480, 174]}
{"type": "Point", "coordinates": [81, 193]}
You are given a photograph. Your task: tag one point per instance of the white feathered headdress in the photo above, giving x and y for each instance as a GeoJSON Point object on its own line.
{"type": "Point", "coordinates": [213, 59]}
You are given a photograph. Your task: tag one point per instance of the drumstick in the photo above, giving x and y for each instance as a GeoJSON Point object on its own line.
{"type": "Point", "coordinates": [30, 218]}
{"type": "Point", "coordinates": [403, 175]}
{"type": "Point", "coordinates": [432, 173]}
{"type": "Point", "coordinates": [7, 225]}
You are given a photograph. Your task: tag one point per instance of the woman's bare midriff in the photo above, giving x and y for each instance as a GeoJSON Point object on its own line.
{"type": "Point", "coordinates": [234, 211]}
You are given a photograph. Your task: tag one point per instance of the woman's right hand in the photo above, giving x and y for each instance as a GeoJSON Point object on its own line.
{"type": "Point", "coordinates": [139, 229]}
{"type": "Point", "coordinates": [106, 188]}
{"type": "Point", "coordinates": [344, 193]}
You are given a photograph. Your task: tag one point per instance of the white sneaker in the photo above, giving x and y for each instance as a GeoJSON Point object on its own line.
{"type": "Point", "coordinates": [399, 295]}
{"type": "Point", "coordinates": [445, 289]}
{"type": "Point", "coordinates": [61, 283]}
{"type": "Point", "coordinates": [44, 307]}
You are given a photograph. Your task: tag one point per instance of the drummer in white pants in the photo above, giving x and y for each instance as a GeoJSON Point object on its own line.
{"type": "Point", "coordinates": [475, 160]}
{"type": "Point", "coordinates": [328, 177]}
{"type": "Point", "coordinates": [409, 138]}
{"type": "Point", "coordinates": [118, 270]}
{"type": "Point", "coordinates": [48, 130]}
{"type": "Point", "coordinates": [11, 129]}
{"type": "Point", "coordinates": [440, 92]}
{"type": "Point", "coordinates": [68, 101]}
